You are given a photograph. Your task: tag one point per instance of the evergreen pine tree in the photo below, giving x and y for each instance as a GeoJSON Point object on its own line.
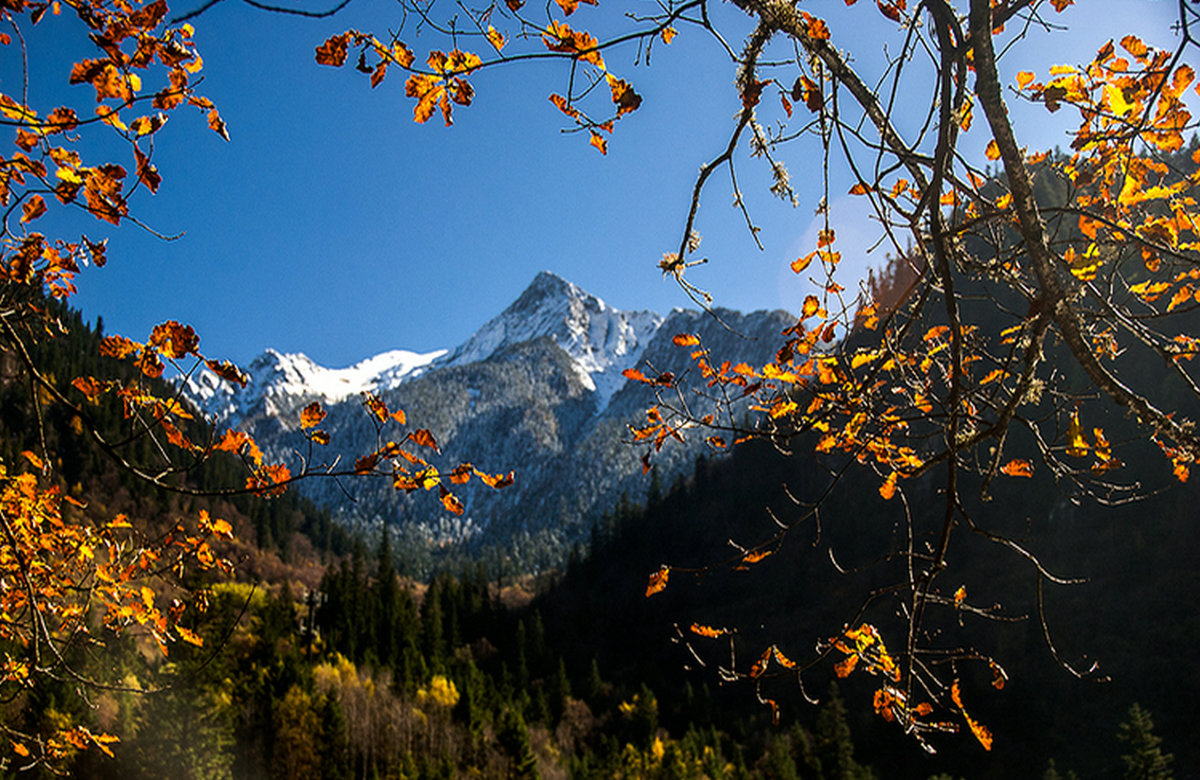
{"type": "Point", "coordinates": [1145, 761]}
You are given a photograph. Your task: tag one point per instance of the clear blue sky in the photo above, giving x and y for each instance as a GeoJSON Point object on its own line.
{"type": "Point", "coordinates": [333, 225]}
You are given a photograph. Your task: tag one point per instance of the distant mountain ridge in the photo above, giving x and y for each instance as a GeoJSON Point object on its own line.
{"type": "Point", "coordinates": [538, 389]}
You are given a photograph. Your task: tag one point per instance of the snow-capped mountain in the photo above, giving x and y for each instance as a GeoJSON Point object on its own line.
{"type": "Point", "coordinates": [277, 381]}
{"type": "Point", "coordinates": [538, 389]}
{"type": "Point", "coordinates": [601, 340]}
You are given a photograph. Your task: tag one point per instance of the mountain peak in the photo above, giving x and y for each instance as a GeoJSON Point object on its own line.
{"type": "Point", "coordinates": [601, 340]}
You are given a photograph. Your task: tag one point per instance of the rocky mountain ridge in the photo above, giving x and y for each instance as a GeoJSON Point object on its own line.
{"type": "Point", "coordinates": [537, 389]}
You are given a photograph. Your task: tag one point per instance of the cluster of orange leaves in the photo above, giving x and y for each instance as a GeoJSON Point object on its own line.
{"type": "Point", "coordinates": [864, 649]}
{"type": "Point", "coordinates": [443, 82]}
{"type": "Point", "coordinates": [411, 472]}
{"type": "Point", "coordinates": [61, 570]}
{"type": "Point", "coordinates": [130, 41]}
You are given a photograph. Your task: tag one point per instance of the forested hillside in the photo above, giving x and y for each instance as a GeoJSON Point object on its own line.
{"type": "Point", "coordinates": [321, 660]}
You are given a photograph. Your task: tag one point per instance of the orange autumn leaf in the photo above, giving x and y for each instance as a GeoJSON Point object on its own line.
{"type": "Point", "coordinates": [217, 124]}
{"type": "Point", "coordinates": [269, 480]}
{"type": "Point", "coordinates": [118, 347]}
{"type": "Point", "coordinates": [800, 263]}
{"type": "Point", "coordinates": [844, 667]}
{"type": "Point", "coordinates": [375, 406]}
{"type": "Point", "coordinates": [227, 371]}
{"type": "Point", "coordinates": [496, 481]}
{"type": "Point", "coordinates": [497, 40]}
{"type": "Point", "coordinates": [32, 209]}
{"type": "Point", "coordinates": [1077, 446]}
{"type": "Point", "coordinates": [569, 6]}
{"type": "Point", "coordinates": [755, 557]}
{"type": "Point", "coordinates": [598, 141]}
{"type": "Point", "coordinates": [1017, 467]}
{"type": "Point", "coordinates": [658, 581]}
{"type": "Point", "coordinates": [707, 631]}
{"type": "Point", "coordinates": [888, 488]}
{"type": "Point", "coordinates": [174, 340]}
{"type": "Point", "coordinates": [423, 438]}
{"type": "Point", "coordinates": [668, 34]}
{"type": "Point", "coordinates": [685, 340]}
{"type": "Point", "coordinates": [623, 95]}
{"type": "Point", "coordinates": [993, 151]}
{"type": "Point", "coordinates": [980, 731]}
{"type": "Point", "coordinates": [450, 501]}
{"type": "Point", "coordinates": [960, 596]}
{"type": "Point", "coordinates": [999, 676]}
{"type": "Point", "coordinates": [311, 415]}
{"type": "Point", "coordinates": [760, 665]}
{"type": "Point", "coordinates": [782, 659]}
{"type": "Point", "coordinates": [333, 52]}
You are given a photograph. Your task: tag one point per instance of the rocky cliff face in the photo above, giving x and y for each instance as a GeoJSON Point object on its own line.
{"type": "Point", "coordinates": [538, 389]}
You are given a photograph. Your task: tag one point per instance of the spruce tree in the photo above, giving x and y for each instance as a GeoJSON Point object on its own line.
{"type": "Point", "coordinates": [1145, 761]}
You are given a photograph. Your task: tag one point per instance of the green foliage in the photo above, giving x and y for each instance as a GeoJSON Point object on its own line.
{"type": "Point", "coordinates": [1145, 759]}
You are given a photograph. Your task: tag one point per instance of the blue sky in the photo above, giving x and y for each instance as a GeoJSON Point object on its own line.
{"type": "Point", "coordinates": [333, 225]}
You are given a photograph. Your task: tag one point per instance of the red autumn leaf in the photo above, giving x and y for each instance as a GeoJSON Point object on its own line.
{"type": "Point", "coordinates": [34, 460]}
{"type": "Point", "coordinates": [90, 387]}
{"type": "Point", "coordinates": [564, 106]}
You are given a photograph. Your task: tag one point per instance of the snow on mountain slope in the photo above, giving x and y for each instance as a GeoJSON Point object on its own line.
{"type": "Point", "coordinates": [278, 380]}
{"type": "Point", "coordinates": [601, 340]}
{"type": "Point", "coordinates": [537, 389]}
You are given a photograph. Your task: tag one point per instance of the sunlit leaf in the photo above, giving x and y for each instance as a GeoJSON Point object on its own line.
{"type": "Point", "coordinates": [658, 581]}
